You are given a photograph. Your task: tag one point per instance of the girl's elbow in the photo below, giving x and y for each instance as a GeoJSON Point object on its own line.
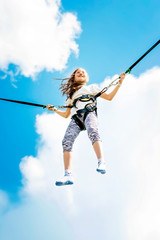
{"type": "Point", "coordinates": [67, 115]}
{"type": "Point", "coordinates": [109, 98]}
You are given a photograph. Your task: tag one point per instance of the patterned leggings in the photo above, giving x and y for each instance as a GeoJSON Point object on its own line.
{"type": "Point", "coordinates": [73, 130]}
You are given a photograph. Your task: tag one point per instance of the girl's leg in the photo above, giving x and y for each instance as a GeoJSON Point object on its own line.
{"type": "Point", "coordinates": [71, 134]}
{"type": "Point", "coordinates": [91, 124]}
{"type": "Point", "coordinates": [98, 149]}
{"type": "Point", "coordinates": [67, 156]}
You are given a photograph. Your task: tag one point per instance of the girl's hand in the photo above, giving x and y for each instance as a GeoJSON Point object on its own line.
{"type": "Point", "coordinates": [51, 108]}
{"type": "Point", "coordinates": [122, 76]}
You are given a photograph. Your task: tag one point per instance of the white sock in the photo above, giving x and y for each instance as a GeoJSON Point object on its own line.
{"type": "Point", "coordinates": [100, 160]}
{"type": "Point", "coordinates": [67, 172]}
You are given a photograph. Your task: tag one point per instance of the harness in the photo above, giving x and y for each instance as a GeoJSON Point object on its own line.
{"type": "Point", "coordinates": [90, 107]}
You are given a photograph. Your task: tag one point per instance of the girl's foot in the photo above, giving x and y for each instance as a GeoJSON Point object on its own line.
{"type": "Point", "coordinates": [101, 167]}
{"type": "Point", "coordinates": [66, 180]}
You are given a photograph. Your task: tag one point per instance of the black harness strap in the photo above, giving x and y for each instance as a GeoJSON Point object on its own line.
{"type": "Point", "coordinates": [79, 122]}
{"type": "Point", "coordinates": [90, 107]}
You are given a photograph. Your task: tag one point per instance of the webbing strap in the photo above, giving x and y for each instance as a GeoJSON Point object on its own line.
{"type": "Point", "coordinates": [84, 98]}
{"type": "Point", "coordinates": [79, 122]}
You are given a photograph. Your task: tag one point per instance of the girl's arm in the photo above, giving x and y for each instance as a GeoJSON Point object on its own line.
{"type": "Point", "coordinates": [64, 114]}
{"type": "Point", "coordinates": [111, 95]}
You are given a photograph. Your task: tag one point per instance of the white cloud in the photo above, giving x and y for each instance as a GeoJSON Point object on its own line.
{"type": "Point", "coordinates": [34, 219]}
{"type": "Point", "coordinates": [36, 35]}
{"type": "Point", "coordinates": [124, 203]}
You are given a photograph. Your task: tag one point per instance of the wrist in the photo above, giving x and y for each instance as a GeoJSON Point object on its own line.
{"type": "Point", "coordinates": [55, 109]}
{"type": "Point", "coordinates": [119, 84]}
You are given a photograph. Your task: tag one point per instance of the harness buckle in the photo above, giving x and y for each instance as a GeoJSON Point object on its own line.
{"type": "Point", "coordinates": [84, 98]}
{"type": "Point", "coordinates": [91, 107]}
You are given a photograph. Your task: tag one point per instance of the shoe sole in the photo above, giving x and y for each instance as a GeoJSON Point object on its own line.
{"type": "Point", "coordinates": [101, 171]}
{"type": "Point", "coordinates": [63, 184]}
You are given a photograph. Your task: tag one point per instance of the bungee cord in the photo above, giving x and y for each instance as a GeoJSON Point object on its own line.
{"type": "Point", "coordinates": [31, 104]}
{"type": "Point", "coordinates": [113, 83]}
{"type": "Point", "coordinates": [130, 68]}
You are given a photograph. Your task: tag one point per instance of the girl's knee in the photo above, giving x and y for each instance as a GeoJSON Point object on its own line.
{"type": "Point", "coordinates": [67, 145]}
{"type": "Point", "coordinates": [94, 136]}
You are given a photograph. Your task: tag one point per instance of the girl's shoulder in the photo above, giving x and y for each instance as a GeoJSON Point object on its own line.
{"type": "Point", "coordinates": [94, 88]}
{"type": "Point", "coordinates": [91, 88]}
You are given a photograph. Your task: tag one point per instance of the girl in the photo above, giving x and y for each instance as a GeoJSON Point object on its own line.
{"type": "Point", "coordinates": [83, 116]}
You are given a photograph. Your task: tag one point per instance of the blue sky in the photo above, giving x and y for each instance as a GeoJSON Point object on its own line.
{"type": "Point", "coordinates": [110, 36]}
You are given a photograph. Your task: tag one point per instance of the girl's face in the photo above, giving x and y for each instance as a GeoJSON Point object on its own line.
{"type": "Point", "coordinates": [81, 76]}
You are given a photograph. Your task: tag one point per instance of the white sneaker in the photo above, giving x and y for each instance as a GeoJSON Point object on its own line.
{"type": "Point", "coordinates": [101, 167]}
{"type": "Point", "coordinates": [66, 180]}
